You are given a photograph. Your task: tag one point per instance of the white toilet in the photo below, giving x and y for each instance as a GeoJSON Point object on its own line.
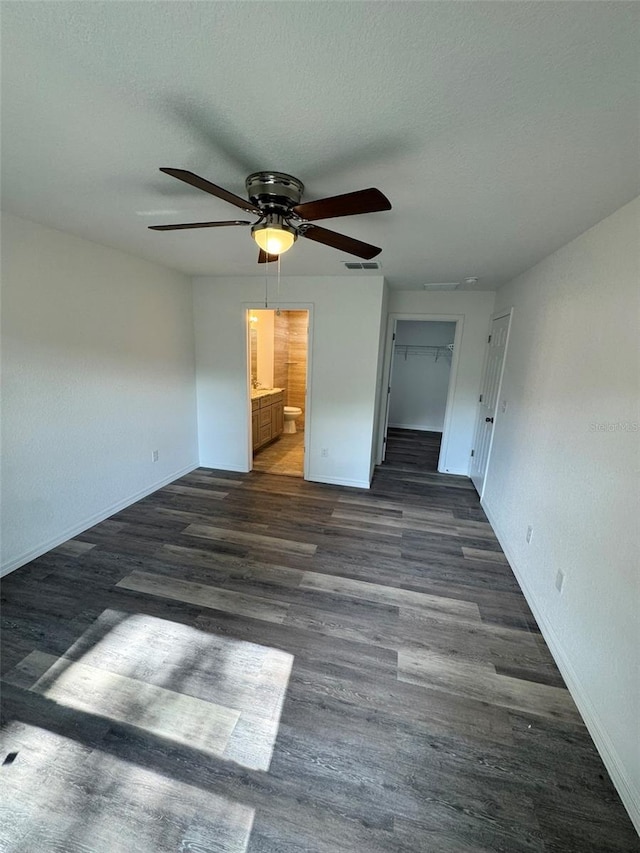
{"type": "Point", "coordinates": [290, 415]}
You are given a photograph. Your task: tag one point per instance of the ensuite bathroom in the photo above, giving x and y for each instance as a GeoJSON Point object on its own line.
{"type": "Point", "coordinates": [278, 356]}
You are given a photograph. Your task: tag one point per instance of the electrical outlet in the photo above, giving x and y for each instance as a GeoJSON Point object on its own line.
{"type": "Point", "coordinates": [529, 534]}
{"type": "Point", "coordinates": [559, 580]}
{"type": "Point", "coordinates": [324, 451]}
{"type": "Point", "coordinates": [155, 455]}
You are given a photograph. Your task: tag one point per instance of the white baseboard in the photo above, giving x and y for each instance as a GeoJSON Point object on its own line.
{"type": "Point", "coordinates": [462, 472]}
{"type": "Point", "coordinates": [629, 794]}
{"type": "Point", "coordinates": [339, 481]}
{"type": "Point", "coordinates": [224, 466]}
{"type": "Point", "coordinates": [70, 532]}
{"type": "Point", "coordinates": [419, 427]}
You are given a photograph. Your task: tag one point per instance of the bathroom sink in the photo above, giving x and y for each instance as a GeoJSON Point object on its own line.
{"type": "Point", "coordinates": [262, 392]}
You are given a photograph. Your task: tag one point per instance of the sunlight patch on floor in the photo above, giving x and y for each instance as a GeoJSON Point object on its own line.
{"type": "Point", "coordinates": [215, 694]}
{"type": "Point", "coordinates": [53, 780]}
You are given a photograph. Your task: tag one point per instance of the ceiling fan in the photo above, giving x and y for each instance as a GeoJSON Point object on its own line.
{"type": "Point", "coordinates": [275, 198]}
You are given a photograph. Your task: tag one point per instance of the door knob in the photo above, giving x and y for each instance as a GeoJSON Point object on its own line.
{"type": "Point", "coordinates": [489, 420]}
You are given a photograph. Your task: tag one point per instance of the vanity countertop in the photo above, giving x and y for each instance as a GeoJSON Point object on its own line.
{"type": "Point", "coordinates": [256, 393]}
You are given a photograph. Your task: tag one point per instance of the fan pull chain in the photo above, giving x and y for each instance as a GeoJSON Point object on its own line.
{"type": "Point", "coordinates": [279, 256]}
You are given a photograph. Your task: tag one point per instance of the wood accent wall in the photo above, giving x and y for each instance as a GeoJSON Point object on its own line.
{"type": "Point", "coordinates": [290, 341]}
{"type": "Point", "coordinates": [280, 348]}
{"type": "Point", "coordinates": [297, 358]}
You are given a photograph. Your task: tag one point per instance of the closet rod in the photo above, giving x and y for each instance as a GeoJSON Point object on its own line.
{"type": "Point", "coordinates": [425, 349]}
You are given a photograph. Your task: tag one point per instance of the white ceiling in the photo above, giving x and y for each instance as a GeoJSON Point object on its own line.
{"type": "Point", "coordinates": [499, 130]}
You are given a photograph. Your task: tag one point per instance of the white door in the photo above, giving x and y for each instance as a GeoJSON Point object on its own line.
{"type": "Point", "coordinates": [489, 396]}
{"type": "Point", "coordinates": [388, 395]}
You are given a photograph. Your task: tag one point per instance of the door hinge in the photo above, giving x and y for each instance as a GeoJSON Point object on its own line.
{"type": "Point", "coordinates": [394, 337]}
{"type": "Point", "coordinates": [384, 440]}
{"type": "Point", "coordinates": [389, 389]}
{"type": "Point", "coordinates": [472, 452]}
{"type": "Point", "coordinates": [480, 399]}
{"type": "Point", "coordinates": [489, 340]}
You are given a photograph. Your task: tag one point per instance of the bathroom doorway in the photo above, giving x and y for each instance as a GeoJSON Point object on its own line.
{"type": "Point", "coordinates": [278, 370]}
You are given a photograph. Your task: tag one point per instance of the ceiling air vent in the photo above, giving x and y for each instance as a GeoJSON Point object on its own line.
{"type": "Point", "coordinates": [362, 265]}
{"type": "Point", "coordinates": [441, 285]}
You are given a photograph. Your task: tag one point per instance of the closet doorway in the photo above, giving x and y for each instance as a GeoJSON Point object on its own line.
{"type": "Point", "coordinates": [422, 362]}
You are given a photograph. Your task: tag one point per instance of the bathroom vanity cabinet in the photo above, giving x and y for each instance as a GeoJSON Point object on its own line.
{"type": "Point", "coordinates": [267, 416]}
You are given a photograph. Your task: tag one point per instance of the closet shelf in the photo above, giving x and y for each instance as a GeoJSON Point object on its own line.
{"type": "Point", "coordinates": [444, 351]}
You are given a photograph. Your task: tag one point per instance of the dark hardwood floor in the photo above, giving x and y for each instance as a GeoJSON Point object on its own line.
{"type": "Point", "coordinates": [413, 449]}
{"type": "Point", "coordinates": [257, 663]}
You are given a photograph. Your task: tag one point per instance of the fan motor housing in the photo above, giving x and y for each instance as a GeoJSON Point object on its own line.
{"type": "Point", "coordinates": [274, 191]}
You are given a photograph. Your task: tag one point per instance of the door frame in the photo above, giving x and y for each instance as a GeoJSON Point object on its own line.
{"type": "Point", "coordinates": [383, 429]}
{"type": "Point", "coordinates": [385, 390]}
{"type": "Point", "coordinates": [497, 316]}
{"type": "Point", "coordinates": [283, 306]}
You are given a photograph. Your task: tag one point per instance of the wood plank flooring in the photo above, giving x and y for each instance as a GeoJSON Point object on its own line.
{"type": "Point", "coordinates": [413, 449]}
{"type": "Point", "coordinates": [256, 663]}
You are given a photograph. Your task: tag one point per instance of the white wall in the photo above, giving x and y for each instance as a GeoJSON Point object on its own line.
{"type": "Point", "coordinates": [475, 309]}
{"type": "Point", "coordinates": [419, 382]}
{"type": "Point", "coordinates": [565, 460]}
{"type": "Point", "coordinates": [97, 371]}
{"type": "Point", "coordinates": [346, 316]}
{"type": "Point", "coordinates": [264, 334]}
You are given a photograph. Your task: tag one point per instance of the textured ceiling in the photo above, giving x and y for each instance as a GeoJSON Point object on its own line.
{"type": "Point", "coordinates": [499, 131]}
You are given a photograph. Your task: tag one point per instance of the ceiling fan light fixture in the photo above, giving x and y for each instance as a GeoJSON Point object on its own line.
{"type": "Point", "coordinates": [276, 198]}
{"type": "Point", "coordinates": [274, 235]}
{"type": "Point", "coordinates": [274, 241]}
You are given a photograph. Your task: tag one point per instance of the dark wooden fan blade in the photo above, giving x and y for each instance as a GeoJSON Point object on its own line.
{"type": "Point", "coordinates": [349, 204]}
{"type": "Point", "coordinates": [265, 258]}
{"type": "Point", "coordinates": [208, 187]}
{"type": "Point", "coordinates": [182, 225]}
{"type": "Point", "coordinates": [339, 241]}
